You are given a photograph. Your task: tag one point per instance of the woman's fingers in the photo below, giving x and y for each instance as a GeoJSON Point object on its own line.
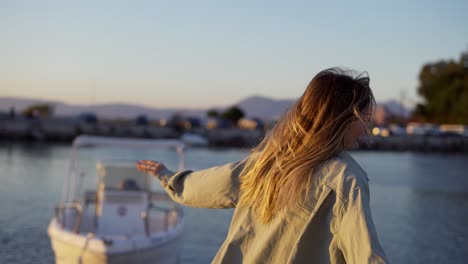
{"type": "Point", "coordinates": [147, 162]}
{"type": "Point", "coordinates": [149, 166]}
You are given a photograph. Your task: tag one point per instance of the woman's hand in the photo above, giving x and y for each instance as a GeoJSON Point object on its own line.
{"type": "Point", "coordinates": [150, 166]}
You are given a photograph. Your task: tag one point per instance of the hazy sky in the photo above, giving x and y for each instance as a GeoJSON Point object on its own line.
{"type": "Point", "coordinates": [208, 53]}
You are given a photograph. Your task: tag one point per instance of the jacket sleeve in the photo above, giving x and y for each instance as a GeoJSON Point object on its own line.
{"type": "Point", "coordinates": [357, 237]}
{"type": "Point", "coordinates": [215, 187]}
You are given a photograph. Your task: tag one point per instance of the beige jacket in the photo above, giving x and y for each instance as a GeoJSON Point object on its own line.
{"type": "Point", "coordinates": [334, 226]}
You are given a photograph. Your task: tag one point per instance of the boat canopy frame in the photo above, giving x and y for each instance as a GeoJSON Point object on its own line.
{"type": "Point", "coordinates": [68, 191]}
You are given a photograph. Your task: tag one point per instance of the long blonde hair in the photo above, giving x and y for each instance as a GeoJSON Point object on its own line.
{"type": "Point", "coordinates": [278, 173]}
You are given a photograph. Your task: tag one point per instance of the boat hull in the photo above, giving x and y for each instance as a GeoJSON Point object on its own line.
{"type": "Point", "coordinates": [76, 248]}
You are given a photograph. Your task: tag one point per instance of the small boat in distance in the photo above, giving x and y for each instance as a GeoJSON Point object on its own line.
{"type": "Point", "coordinates": [122, 220]}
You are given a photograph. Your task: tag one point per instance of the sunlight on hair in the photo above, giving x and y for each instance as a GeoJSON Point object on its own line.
{"type": "Point", "coordinates": [279, 171]}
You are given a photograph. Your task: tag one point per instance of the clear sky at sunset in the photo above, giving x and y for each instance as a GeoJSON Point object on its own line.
{"type": "Point", "coordinates": [208, 53]}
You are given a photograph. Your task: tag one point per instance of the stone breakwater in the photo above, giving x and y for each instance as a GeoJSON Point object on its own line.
{"type": "Point", "coordinates": [65, 130]}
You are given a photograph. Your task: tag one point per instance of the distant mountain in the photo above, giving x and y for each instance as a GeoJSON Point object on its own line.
{"type": "Point", "coordinates": [121, 110]}
{"type": "Point", "coordinates": [264, 107]}
{"type": "Point", "coordinates": [267, 108]}
{"type": "Point", "coordinates": [116, 110]}
{"type": "Point", "coordinates": [21, 103]}
{"type": "Point", "coordinates": [254, 106]}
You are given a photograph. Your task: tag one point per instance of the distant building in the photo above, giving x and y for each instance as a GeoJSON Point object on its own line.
{"type": "Point", "coordinates": [193, 122]}
{"type": "Point", "coordinates": [141, 120]}
{"type": "Point", "coordinates": [385, 114]}
{"type": "Point", "coordinates": [181, 123]}
{"type": "Point", "coordinates": [397, 130]}
{"type": "Point", "coordinates": [251, 123]}
{"type": "Point", "coordinates": [213, 123]}
{"type": "Point", "coordinates": [90, 118]}
{"type": "Point", "coordinates": [449, 129]}
{"type": "Point", "coordinates": [161, 122]}
{"type": "Point", "coordinates": [421, 129]}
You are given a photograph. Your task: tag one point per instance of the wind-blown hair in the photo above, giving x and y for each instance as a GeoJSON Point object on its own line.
{"type": "Point", "coordinates": [277, 175]}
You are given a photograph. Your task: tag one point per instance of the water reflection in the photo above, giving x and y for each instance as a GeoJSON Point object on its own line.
{"type": "Point", "coordinates": [419, 201]}
{"type": "Point", "coordinates": [420, 205]}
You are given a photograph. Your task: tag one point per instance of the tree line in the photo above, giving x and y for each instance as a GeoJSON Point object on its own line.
{"type": "Point", "coordinates": [233, 114]}
{"type": "Point", "coordinates": [443, 85]}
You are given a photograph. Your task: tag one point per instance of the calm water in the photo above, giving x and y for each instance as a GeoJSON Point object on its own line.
{"type": "Point", "coordinates": [419, 202]}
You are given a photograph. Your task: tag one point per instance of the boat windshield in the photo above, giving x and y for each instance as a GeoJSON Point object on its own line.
{"type": "Point", "coordinates": [121, 175]}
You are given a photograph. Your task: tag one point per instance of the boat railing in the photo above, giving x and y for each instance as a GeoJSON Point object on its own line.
{"type": "Point", "coordinates": [167, 212]}
{"type": "Point", "coordinates": [61, 216]}
{"type": "Point", "coordinates": [65, 220]}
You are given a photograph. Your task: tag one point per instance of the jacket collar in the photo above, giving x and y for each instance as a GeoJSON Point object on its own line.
{"type": "Point", "coordinates": [350, 160]}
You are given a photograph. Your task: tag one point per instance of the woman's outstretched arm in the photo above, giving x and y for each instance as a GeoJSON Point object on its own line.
{"type": "Point", "coordinates": [215, 187]}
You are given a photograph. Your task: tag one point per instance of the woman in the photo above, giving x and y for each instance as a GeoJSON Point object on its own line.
{"type": "Point", "coordinates": [299, 197]}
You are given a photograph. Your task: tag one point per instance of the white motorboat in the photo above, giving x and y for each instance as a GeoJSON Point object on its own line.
{"type": "Point", "coordinates": [122, 220]}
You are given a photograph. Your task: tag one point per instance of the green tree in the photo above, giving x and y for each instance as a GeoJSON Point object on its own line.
{"type": "Point", "coordinates": [212, 113]}
{"type": "Point", "coordinates": [444, 87]}
{"type": "Point", "coordinates": [233, 114]}
{"type": "Point", "coordinates": [42, 110]}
